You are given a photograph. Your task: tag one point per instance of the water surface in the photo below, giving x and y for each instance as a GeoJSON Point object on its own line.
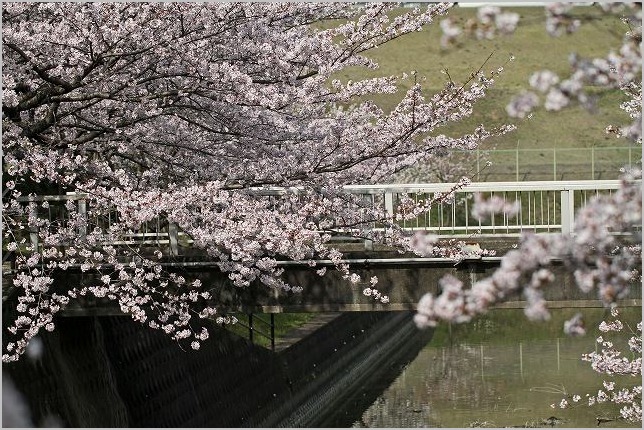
{"type": "Point", "coordinates": [498, 371]}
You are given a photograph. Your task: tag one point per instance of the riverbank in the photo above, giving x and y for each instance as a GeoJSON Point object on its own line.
{"type": "Point", "coordinates": [113, 372]}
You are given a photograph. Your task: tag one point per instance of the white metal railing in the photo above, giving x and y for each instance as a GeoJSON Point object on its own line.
{"type": "Point", "coordinates": [544, 207]}
{"type": "Point", "coordinates": [158, 232]}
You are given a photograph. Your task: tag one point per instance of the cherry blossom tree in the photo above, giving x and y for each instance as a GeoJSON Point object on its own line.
{"type": "Point", "coordinates": [189, 116]}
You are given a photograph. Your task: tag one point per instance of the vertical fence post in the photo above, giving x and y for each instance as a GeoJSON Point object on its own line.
{"type": "Point", "coordinates": [554, 163]}
{"type": "Point", "coordinates": [389, 204]}
{"type": "Point", "coordinates": [482, 363]}
{"type": "Point", "coordinates": [173, 236]}
{"type": "Point", "coordinates": [82, 211]}
{"type": "Point", "coordinates": [368, 243]}
{"type": "Point", "coordinates": [33, 231]}
{"type": "Point", "coordinates": [567, 211]}
{"type": "Point", "coordinates": [558, 360]}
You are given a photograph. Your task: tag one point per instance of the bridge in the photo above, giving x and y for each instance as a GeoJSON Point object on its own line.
{"type": "Point", "coordinates": [544, 207]}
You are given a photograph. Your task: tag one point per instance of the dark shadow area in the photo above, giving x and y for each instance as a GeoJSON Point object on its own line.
{"type": "Point", "coordinates": [113, 372]}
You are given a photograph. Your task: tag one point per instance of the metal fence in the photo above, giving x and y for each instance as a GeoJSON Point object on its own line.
{"type": "Point", "coordinates": [63, 212]}
{"type": "Point", "coordinates": [556, 164]}
{"type": "Point", "coordinates": [543, 206]}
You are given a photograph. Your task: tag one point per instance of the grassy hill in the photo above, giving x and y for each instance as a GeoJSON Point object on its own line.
{"type": "Point", "coordinates": [534, 50]}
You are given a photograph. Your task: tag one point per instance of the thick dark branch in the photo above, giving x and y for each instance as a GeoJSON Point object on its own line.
{"type": "Point", "coordinates": [40, 71]}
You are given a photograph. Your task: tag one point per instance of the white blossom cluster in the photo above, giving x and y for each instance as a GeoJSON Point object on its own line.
{"type": "Point", "coordinates": [559, 20]}
{"type": "Point", "coordinates": [522, 104]}
{"type": "Point", "coordinates": [633, 107]}
{"type": "Point", "coordinates": [493, 205]}
{"type": "Point", "coordinates": [611, 362]}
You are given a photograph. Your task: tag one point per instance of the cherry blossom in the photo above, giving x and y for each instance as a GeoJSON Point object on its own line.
{"type": "Point", "coordinates": [493, 205]}
{"type": "Point", "coordinates": [610, 361]}
{"type": "Point", "coordinates": [604, 251]}
{"type": "Point", "coordinates": [559, 20]}
{"type": "Point", "coordinates": [522, 104]}
{"type": "Point", "coordinates": [618, 69]}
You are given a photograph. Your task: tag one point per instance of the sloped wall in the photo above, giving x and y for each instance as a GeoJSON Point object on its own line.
{"type": "Point", "coordinates": [113, 372]}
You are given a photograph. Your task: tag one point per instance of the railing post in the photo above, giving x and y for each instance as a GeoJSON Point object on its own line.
{"type": "Point", "coordinates": [82, 212]}
{"type": "Point", "coordinates": [567, 211]}
{"type": "Point", "coordinates": [33, 231]}
{"type": "Point", "coordinates": [389, 204]}
{"type": "Point", "coordinates": [173, 236]}
{"type": "Point", "coordinates": [368, 243]}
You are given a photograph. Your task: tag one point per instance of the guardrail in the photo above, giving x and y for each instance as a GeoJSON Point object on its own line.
{"type": "Point", "coordinates": [544, 207]}
{"type": "Point", "coordinates": [55, 209]}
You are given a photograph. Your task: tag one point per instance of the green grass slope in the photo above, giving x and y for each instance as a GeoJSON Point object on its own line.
{"type": "Point", "coordinates": [534, 50]}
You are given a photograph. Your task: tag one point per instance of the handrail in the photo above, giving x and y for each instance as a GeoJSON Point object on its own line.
{"type": "Point", "coordinates": [590, 184]}
{"type": "Point", "coordinates": [488, 186]}
{"type": "Point", "coordinates": [544, 206]}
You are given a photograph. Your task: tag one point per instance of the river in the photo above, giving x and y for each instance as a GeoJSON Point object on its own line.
{"type": "Point", "coordinates": [498, 371]}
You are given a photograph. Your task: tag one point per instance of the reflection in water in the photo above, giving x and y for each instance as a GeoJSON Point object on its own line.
{"type": "Point", "coordinates": [497, 380]}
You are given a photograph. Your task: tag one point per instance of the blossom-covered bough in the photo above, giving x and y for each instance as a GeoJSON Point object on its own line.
{"type": "Point", "coordinates": [618, 69]}
{"type": "Point", "coordinates": [181, 114]}
{"type": "Point", "coordinates": [604, 251]}
{"type": "Point", "coordinates": [615, 360]}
